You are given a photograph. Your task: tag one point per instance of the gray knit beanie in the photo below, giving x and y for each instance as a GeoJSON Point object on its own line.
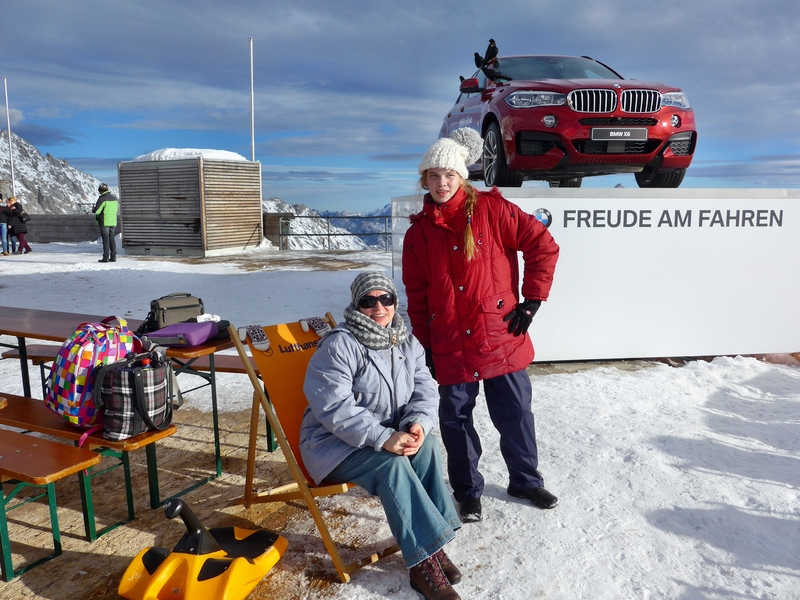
{"type": "Point", "coordinates": [373, 280]}
{"type": "Point", "coordinates": [464, 147]}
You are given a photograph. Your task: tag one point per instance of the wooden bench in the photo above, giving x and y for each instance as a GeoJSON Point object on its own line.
{"type": "Point", "coordinates": [29, 414]}
{"type": "Point", "coordinates": [42, 354]}
{"type": "Point", "coordinates": [27, 461]}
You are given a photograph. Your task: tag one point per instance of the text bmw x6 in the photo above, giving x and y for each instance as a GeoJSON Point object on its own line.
{"type": "Point", "coordinates": [563, 118]}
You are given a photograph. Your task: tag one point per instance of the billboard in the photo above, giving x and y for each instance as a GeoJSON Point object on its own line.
{"type": "Point", "coordinates": [656, 273]}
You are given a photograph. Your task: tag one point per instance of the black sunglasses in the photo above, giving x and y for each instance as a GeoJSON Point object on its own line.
{"type": "Point", "coordinates": [371, 301]}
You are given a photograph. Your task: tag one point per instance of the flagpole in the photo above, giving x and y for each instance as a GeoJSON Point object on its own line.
{"type": "Point", "coordinates": [252, 108]}
{"type": "Point", "coordinates": [10, 151]}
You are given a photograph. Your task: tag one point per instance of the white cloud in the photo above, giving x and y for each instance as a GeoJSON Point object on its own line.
{"type": "Point", "coordinates": [14, 115]}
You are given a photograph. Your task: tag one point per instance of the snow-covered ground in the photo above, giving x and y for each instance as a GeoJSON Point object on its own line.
{"type": "Point", "coordinates": [675, 483]}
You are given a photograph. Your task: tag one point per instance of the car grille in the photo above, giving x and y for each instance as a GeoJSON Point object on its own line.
{"type": "Point", "coordinates": [618, 121]}
{"type": "Point", "coordinates": [605, 101]}
{"type": "Point", "coordinates": [597, 147]}
{"type": "Point", "coordinates": [592, 101]}
{"type": "Point", "coordinates": [535, 143]}
{"type": "Point", "coordinates": [682, 147]}
{"type": "Point", "coordinates": [641, 101]}
{"type": "Point", "coordinates": [534, 147]}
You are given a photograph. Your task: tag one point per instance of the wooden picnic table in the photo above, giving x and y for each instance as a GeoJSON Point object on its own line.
{"type": "Point", "coordinates": [29, 414]}
{"type": "Point", "coordinates": [57, 326]}
{"type": "Point", "coordinates": [39, 463]}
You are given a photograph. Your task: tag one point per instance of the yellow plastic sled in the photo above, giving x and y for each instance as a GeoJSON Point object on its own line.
{"type": "Point", "coordinates": [223, 563]}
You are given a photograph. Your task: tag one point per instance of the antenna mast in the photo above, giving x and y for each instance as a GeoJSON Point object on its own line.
{"type": "Point", "coordinates": [252, 108]}
{"type": "Point", "coordinates": [10, 150]}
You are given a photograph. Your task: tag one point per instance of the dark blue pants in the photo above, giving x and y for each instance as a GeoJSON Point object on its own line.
{"type": "Point", "coordinates": [109, 243]}
{"type": "Point", "coordinates": [508, 399]}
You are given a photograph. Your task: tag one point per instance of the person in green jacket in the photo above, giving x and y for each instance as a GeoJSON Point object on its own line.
{"type": "Point", "coordinates": [105, 210]}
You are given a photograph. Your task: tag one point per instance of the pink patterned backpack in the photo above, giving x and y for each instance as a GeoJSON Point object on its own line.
{"type": "Point", "coordinates": [71, 381]}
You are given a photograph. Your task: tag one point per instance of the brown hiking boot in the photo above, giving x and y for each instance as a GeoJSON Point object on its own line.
{"type": "Point", "coordinates": [429, 579]}
{"type": "Point", "coordinates": [450, 570]}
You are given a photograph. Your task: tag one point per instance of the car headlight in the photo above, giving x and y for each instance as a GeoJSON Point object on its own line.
{"type": "Point", "coordinates": [678, 99]}
{"type": "Point", "coordinates": [534, 99]}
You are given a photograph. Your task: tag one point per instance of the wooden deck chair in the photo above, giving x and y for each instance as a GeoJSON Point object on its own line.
{"type": "Point", "coordinates": [283, 369]}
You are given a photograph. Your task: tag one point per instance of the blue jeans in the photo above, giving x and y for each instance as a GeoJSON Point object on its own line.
{"type": "Point", "coordinates": [412, 490]}
{"type": "Point", "coordinates": [4, 235]}
{"type": "Point", "coordinates": [508, 399]}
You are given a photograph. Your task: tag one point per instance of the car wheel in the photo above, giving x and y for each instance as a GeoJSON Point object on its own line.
{"type": "Point", "coordinates": [495, 168]}
{"type": "Point", "coordinates": [649, 178]}
{"type": "Point", "coordinates": [573, 182]}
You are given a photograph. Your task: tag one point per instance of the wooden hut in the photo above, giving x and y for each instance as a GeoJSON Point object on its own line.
{"type": "Point", "coordinates": [190, 207]}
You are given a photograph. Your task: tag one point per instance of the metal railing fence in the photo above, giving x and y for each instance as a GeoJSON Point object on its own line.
{"type": "Point", "coordinates": [286, 230]}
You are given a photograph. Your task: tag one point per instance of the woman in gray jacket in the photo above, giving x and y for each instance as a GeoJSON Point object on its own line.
{"type": "Point", "coordinates": [371, 407]}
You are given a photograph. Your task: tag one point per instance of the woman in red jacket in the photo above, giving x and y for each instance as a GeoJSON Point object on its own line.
{"type": "Point", "coordinates": [460, 270]}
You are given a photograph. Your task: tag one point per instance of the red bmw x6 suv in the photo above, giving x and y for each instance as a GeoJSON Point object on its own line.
{"type": "Point", "coordinates": [563, 118]}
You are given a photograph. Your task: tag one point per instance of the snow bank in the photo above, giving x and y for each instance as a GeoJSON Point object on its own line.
{"type": "Point", "coordinates": [184, 153]}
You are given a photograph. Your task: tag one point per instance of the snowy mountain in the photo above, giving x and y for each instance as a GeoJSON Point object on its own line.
{"type": "Point", "coordinates": [45, 184]}
{"type": "Point", "coordinates": [309, 221]}
{"type": "Point", "coordinates": [377, 222]}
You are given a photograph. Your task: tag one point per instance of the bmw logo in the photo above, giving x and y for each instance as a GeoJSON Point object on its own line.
{"type": "Point", "coordinates": [543, 216]}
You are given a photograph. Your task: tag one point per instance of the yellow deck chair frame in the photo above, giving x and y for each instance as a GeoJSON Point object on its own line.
{"type": "Point", "coordinates": [280, 394]}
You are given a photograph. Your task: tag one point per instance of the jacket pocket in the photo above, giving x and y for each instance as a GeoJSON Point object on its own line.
{"type": "Point", "coordinates": [494, 309]}
{"type": "Point", "coordinates": [367, 393]}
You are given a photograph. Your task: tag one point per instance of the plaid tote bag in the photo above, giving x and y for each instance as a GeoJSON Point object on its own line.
{"type": "Point", "coordinates": [136, 395]}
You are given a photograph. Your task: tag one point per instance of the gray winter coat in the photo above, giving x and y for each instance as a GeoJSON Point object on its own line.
{"type": "Point", "coordinates": [354, 401]}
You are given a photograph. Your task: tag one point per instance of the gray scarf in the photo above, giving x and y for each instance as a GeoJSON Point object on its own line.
{"type": "Point", "coordinates": [372, 335]}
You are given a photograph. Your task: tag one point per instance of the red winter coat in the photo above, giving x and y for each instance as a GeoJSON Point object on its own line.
{"type": "Point", "coordinates": [456, 307]}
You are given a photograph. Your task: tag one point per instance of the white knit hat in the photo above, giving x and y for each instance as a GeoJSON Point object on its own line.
{"type": "Point", "coordinates": [462, 148]}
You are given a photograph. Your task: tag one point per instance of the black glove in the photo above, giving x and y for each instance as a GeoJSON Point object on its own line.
{"type": "Point", "coordinates": [429, 362]}
{"type": "Point", "coordinates": [520, 318]}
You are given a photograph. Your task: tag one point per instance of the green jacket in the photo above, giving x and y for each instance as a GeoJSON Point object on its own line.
{"type": "Point", "coordinates": [107, 205]}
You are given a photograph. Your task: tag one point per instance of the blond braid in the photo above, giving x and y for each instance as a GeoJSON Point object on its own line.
{"type": "Point", "coordinates": [469, 206]}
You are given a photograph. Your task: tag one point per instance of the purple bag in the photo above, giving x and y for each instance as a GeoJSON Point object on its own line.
{"type": "Point", "coordinates": [184, 334]}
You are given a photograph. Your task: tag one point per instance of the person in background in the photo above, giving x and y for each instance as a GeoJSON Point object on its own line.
{"type": "Point", "coordinates": [461, 272]}
{"type": "Point", "coordinates": [5, 216]}
{"type": "Point", "coordinates": [12, 239]}
{"type": "Point", "coordinates": [19, 224]}
{"type": "Point", "coordinates": [105, 211]}
{"type": "Point", "coordinates": [371, 409]}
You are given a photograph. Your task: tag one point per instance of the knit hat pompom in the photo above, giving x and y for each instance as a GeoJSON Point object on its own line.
{"type": "Point", "coordinates": [366, 282]}
{"type": "Point", "coordinates": [454, 153]}
{"type": "Point", "coordinates": [471, 140]}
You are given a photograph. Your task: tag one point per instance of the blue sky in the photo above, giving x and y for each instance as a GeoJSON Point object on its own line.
{"type": "Point", "coordinates": [349, 94]}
